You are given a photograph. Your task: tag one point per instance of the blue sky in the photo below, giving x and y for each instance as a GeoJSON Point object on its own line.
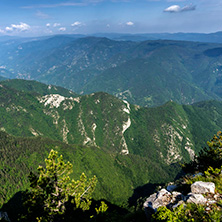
{"type": "Point", "coordinates": [45, 17]}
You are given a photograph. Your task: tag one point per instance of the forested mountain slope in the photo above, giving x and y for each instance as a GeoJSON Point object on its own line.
{"type": "Point", "coordinates": [117, 174]}
{"type": "Point", "coordinates": [35, 87]}
{"type": "Point", "coordinates": [103, 120]}
{"type": "Point", "coordinates": [136, 145]}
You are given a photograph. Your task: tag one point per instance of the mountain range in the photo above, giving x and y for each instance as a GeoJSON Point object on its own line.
{"type": "Point", "coordinates": [147, 73]}
{"type": "Point", "coordinates": [124, 145]}
{"type": "Point", "coordinates": [133, 108]}
{"type": "Point", "coordinates": [194, 37]}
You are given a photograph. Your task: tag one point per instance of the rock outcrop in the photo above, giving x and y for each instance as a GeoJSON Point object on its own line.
{"type": "Point", "coordinates": [196, 198]}
{"type": "Point", "coordinates": [173, 199]}
{"type": "Point", "coordinates": [161, 198]}
{"type": "Point", "coordinates": [203, 187]}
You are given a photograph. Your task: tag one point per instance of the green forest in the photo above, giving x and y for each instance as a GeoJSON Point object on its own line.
{"type": "Point", "coordinates": [57, 190]}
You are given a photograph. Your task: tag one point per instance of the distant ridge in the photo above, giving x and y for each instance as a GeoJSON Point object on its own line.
{"type": "Point", "coordinates": [147, 73]}
{"type": "Point", "coordinates": [32, 86]}
{"type": "Point", "coordinates": [215, 37]}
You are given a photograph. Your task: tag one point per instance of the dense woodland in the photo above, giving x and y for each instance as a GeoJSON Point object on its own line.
{"type": "Point", "coordinates": [39, 202]}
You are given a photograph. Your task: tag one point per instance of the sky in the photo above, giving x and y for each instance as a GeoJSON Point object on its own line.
{"type": "Point", "coordinates": [49, 17]}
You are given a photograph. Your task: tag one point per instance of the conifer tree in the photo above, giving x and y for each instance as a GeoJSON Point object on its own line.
{"type": "Point", "coordinates": [52, 190]}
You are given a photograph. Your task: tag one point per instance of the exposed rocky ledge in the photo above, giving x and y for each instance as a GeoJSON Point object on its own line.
{"type": "Point", "coordinates": [201, 193]}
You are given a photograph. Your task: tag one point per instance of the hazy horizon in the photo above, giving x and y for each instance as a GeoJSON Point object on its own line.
{"type": "Point", "coordinates": [40, 18]}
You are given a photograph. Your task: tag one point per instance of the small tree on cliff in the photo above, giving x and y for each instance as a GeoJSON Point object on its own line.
{"type": "Point", "coordinates": [52, 191]}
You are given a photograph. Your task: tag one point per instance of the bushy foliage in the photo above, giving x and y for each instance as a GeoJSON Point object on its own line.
{"type": "Point", "coordinates": [188, 213]}
{"type": "Point", "coordinates": [193, 212]}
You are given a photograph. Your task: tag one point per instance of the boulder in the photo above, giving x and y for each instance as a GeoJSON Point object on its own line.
{"type": "Point", "coordinates": [175, 199]}
{"type": "Point", "coordinates": [201, 187]}
{"type": "Point", "coordinates": [162, 198]}
{"type": "Point", "coordinates": [196, 198]}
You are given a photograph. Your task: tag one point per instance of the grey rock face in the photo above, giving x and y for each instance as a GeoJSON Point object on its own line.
{"type": "Point", "coordinates": [162, 198]}
{"type": "Point", "coordinates": [175, 199]}
{"type": "Point", "coordinates": [196, 198]}
{"type": "Point", "coordinates": [203, 187]}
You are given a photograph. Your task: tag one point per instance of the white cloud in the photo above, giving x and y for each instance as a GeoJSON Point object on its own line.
{"type": "Point", "coordinates": [9, 29]}
{"type": "Point", "coordinates": [129, 23]}
{"type": "Point", "coordinates": [173, 8]}
{"type": "Point", "coordinates": [77, 23]}
{"type": "Point", "coordinates": [177, 8]}
{"type": "Point", "coordinates": [21, 27]}
{"type": "Point", "coordinates": [48, 25]}
{"type": "Point", "coordinates": [56, 24]}
{"type": "Point", "coordinates": [2, 31]}
{"type": "Point", "coordinates": [62, 29]}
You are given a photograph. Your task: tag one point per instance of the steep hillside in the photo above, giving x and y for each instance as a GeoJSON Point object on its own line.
{"type": "Point", "coordinates": [168, 133]}
{"type": "Point", "coordinates": [158, 71]}
{"type": "Point", "coordinates": [117, 174]}
{"type": "Point", "coordinates": [124, 145]}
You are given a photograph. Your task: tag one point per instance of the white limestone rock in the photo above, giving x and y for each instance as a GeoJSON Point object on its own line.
{"type": "Point", "coordinates": [201, 187]}
{"type": "Point", "coordinates": [162, 198]}
{"type": "Point", "coordinates": [196, 198]}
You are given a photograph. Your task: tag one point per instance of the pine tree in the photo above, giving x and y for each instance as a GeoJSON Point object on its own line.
{"type": "Point", "coordinates": [52, 191]}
